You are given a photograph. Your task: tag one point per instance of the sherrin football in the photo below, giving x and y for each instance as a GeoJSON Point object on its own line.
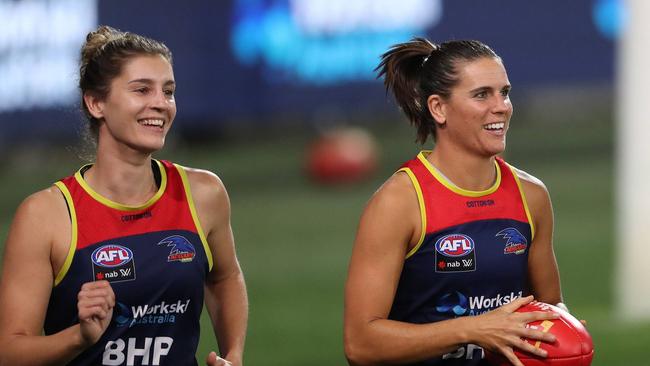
{"type": "Point", "coordinates": [342, 155]}
{"type": "Point", "coordinates": [573, 345]}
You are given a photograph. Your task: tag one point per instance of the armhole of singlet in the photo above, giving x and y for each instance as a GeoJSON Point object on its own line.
{"type": "Point", "coordinates": [423, 212]}
{"type": "Point", "coordinates": [523, 199]}
{"type": "Point", "coordinates": [195, 217]}
{"type": "Point", "coordinates": [73, 240]}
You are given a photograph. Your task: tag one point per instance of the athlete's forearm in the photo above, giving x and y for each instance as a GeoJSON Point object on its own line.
{"type": "Point", "coordinates": [55, 349]}
{"type": "Point", "coordinates": [227, 304]}
{"type": "Point", "coordinates": [390, 341]}
{"type": "Point", "coordinates": [498, 330]}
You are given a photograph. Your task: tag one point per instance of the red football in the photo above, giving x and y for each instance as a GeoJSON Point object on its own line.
{"type": "Point", "coordinates": [343, 155]}
{"type": "Point", "coordinates": [573, 346]}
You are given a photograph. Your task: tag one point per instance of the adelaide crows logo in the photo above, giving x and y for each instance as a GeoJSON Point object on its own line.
{"type": "Point", "coordinates": [182, 249]}
{"type": "Point", "coordinates": [515, 242]}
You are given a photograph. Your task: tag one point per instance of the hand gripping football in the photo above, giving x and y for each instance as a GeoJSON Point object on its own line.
{"type": "Point", "coordinates": [573, 346]}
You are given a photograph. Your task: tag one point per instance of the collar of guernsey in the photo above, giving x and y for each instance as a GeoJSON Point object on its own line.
{"type": "Point", "coordinates": [434, 190]}
{"type": "Point", "coordinates": [173, 196]}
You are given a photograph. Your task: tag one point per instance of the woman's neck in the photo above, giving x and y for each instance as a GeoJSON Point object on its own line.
{"type": "Point", "coordinates": [125, 180]}
{"type": "Point", "coordinates": [466, 171]}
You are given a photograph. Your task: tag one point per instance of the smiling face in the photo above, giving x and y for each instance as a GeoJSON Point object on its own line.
{"type": "Point", "coordinates": [140, 106]}
{"type": "Point", "coordinates": [476, 116]}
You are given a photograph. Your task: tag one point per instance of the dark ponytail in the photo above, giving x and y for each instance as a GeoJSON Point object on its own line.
{"type": "Point", "coordinates": [416, 69]}
{"type": "Point", "coordinates": [401, 68]}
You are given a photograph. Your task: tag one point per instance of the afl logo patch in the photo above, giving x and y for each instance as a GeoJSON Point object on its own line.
{"type": "Point", "coordinates": [113, 263]}
{"type": "Point", "coordinates": [455, 245]}
{"type": "Point", "coordinates": [455, 253]}
{"type": "Point", "coordinates": [111, 256]}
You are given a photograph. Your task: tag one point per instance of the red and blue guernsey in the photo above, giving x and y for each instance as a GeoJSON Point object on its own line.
{"type": "Point", "coordinates": [156, 258]}
{"type": "Point", "coordinates": [472, 255]}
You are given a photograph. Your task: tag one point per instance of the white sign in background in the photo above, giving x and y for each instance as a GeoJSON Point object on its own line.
{"type": "Point", "coordinates": [39, 51]}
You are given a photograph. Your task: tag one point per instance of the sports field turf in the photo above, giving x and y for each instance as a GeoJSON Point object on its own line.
{"type": "Point", "coordinates": [294, 237]}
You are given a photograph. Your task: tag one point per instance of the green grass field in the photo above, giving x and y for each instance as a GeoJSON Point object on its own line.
{"type": "Point", "coordinates": [294, 238]}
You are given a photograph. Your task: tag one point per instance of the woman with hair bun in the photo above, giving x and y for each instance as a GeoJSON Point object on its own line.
{"type": "Point", "coordinates": [457, 239]}
{"type": "Point", "coordinates": [113, 265]}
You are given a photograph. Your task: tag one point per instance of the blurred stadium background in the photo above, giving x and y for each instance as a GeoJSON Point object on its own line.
{"type": "Point", "coordinates": [259, 80]}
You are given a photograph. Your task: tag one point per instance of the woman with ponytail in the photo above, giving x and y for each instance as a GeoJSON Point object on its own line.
{"type": "Point", "coordinates": [457, 239]}
{"type": "Point", "coordinates": [113, 264]}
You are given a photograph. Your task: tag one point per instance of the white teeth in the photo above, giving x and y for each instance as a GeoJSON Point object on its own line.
{"type": "Point", "coordinates": [495, 126]}
{"type": "Point", "coordinates": [152, 122]}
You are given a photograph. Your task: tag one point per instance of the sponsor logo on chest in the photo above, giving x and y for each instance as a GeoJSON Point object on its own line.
{"type": "Point", "coordinates": [148, 314]}
{"type": "Point", "coordinates": [455, 253]}
{"type": "Point", "coordinates": [458, 304]}
{"type": "Point", "coordinates": [114, 263]}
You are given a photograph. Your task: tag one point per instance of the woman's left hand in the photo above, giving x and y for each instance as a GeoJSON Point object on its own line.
{"type": "Point", "coordinates": [214, 360]}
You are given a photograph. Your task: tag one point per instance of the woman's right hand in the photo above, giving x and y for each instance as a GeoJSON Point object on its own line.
{"type": "Point", "coordinates": [96, 301]}
{"type": "Point", "coordinates": [503, 329]}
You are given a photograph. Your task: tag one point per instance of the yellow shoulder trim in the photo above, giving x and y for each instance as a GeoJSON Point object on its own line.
{"type": "Point", "coordinates": [423, 212]}
{"type": "Point", "coordinates": [195, 217]}
{"type": "Point", "coordinates": [118, 206]}
{"type": "Point", "coordinates": [73, 240]}
{"type": "Point", "coordinates": [454, 188]}
{"type": "Point", "coordinates": [523, 198]}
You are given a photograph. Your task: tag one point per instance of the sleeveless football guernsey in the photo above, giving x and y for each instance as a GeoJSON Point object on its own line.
{"type": "Point", "coordinates": [156, 258]}
{"type": "Point", "coordinates": [472, 255]}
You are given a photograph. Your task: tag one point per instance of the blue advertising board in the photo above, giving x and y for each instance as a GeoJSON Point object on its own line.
{"type": "Point", "coordinates": [259, 60]}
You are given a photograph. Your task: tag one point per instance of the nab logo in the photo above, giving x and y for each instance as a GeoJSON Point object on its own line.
{"type": "Point", "coordinates": [455, 245]}
{"type": "Point", "coordinates": [112, 256]}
